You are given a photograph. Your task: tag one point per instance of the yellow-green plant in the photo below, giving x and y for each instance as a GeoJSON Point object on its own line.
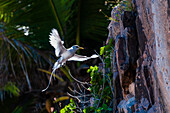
{"type": "Point", "coordinates": [70, 108]}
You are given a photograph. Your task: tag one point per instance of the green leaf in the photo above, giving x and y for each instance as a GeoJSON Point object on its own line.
{"type": "Point", "coordinates": [109, 109]}
{"type": "Point", "coordinates": [84, 111]}
{"type": "Point", "coordinates": [102, 50]}
{"type": "Point", "coordinates": [104, 106]}
{"type": "Point", "coordinates": [18, 109]}
{"type": "Point", "coordinates": [12, 88]}
{"type": "Point", "coordinates": [69, 108]}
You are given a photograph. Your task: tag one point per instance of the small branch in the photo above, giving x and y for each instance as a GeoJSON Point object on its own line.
{"type": "Point", "coordinates": [103, 77]}
{"type": "Point", "coordinates": [79, 88]}
{"type": "Point", "coordinates": [76, 79]}
{"type": "Point", "coordinates": [74, 91]}
{"type": "Point", "coordinates": [77, 97]}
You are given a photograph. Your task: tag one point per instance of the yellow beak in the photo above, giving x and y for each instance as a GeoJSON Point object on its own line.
{"type": "Point", "coordinates": [81, 48]}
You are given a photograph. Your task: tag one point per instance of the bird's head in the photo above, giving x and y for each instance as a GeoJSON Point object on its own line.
{"type": "Point", "coordinates": [76, 47]}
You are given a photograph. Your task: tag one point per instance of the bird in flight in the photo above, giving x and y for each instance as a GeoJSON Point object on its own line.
{"type": "Point", "coordinates": [64, 54]}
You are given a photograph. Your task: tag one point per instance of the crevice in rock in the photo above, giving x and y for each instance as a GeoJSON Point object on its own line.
{"type": "Point", "coordinates": [136, 61]}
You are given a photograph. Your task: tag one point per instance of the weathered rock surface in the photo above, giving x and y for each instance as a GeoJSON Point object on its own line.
{"type": "Point", "coordinates": [142, 57]}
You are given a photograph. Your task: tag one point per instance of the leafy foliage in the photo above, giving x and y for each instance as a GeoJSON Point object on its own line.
{"type": "Point", "coordinates": [97, 110]}
{"type": "Point", "coordinates": [83, 22]}
{"type": "Point", "coordinates": [69, 108]}
{"type": "Point", "coordinates": [102, 79]}
{"type": "Point", "coordinates": [19, 16]}
{"type": "Point", "coordinates": [106, 48]}
{"type": "Point", "coordinates": [24, 30]}
{"type": "Point", "coordinates": [26, 13]}
{"type": "Point", "coordinates": [102, 50]}
{"type": "Point", "coordinates": [10, 87]}
{"type": "Point", "coordinates": [101, 85]}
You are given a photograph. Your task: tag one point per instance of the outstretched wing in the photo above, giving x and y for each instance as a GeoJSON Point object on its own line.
{"type": "Point", "coordinates": [81, 58]}
{"type": "Point", "coordinates": [57, 43]}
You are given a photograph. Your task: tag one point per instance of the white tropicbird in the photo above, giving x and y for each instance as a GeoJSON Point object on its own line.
{"type": "Point", "coordinates": [63, 53]}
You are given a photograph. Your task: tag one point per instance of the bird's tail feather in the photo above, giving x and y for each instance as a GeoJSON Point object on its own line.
{"type": "Point", "coordinates": [56, 66]}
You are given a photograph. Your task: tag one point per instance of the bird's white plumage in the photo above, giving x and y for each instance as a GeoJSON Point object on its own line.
{"type": "Point", "coordinates": [57, 43]}
{"type": "Point", "coordinates": [81, 58]}
{"type": "Point", "coordinates": [63, 53]}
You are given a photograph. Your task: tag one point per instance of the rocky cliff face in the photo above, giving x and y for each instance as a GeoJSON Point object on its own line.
{"type": "Point", "coordinates": [141, 57]}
